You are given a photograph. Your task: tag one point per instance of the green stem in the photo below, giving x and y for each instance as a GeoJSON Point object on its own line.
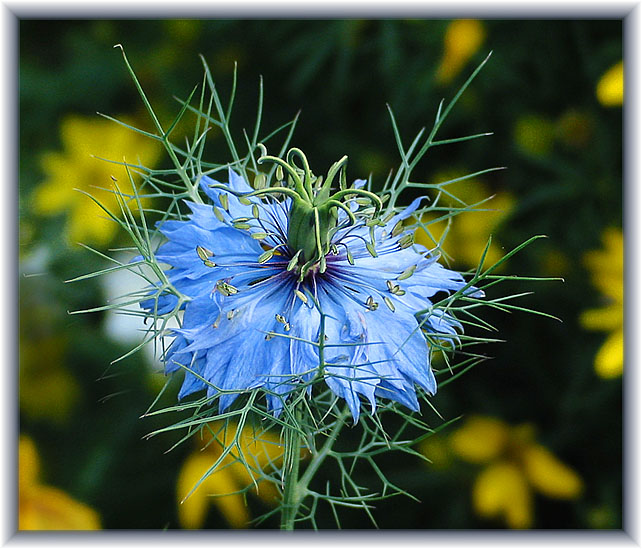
{"type": "Point", "coordinates": [291, 459]}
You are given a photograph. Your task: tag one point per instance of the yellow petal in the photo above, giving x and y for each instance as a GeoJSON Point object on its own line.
{"type": "Point", "coordinates": [193, 510]}
{"type": "Point", "coordinates": [606, 318]}
{"type": "Point", "coordinates": [28, 463]}
{"type": "Point", "coordinates": [52, 509]}
{"type": "Point", "coordinates": [45, 508]}
{"type": "Point", "coordinates": [549, 475]}
{"type": "Point", "coordinates": [501, 491]}
{"type": "Point", "coordinates": [610, 88]}
{"type": "Point", "coordinates": [76, 168]}
{"type": "Point", "coordinates": [480, 439]}
{"type": "Point", "coordinates": [609, 361]}
{"type": "Point", "coordinates": [462, 40]}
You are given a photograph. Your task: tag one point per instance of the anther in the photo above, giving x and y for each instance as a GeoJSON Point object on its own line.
{"type": "Point", "coordinates": [260, 181]}
{"type": "Point", "coordinates": [349, 256]}
{"type": "Point", "coordinates": [225, 202]}
{"type": "Point", "coordinates": [266, 256]}
{"type": "Point", "coordinates": [204, 253]}
{"type": "Point", "coordinates": [371, 304]}
{"type": "Point", "coordinates": [406, 241]}
{"type": "Point", "coordinates": [301, 296]}
{"type": "Point", "coordinates": [397, 229]}
{"type": "Point", "coordinates": [407, 273]}
{"type": "Point", "coordinates": [389, 302]}
{"type": "Point", "coordinates": [395, 289]}
{"type": "Point", "coordinates": [225, 288]}
{"type": "Point", "coordinates": [218, 214]}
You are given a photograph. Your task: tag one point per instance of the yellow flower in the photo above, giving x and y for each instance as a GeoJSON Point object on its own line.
{"type": "Point", "coordinates": [462, 40]}
{"type": "Point", "coordinates": [468, 233]}
{"type": "Point", "coordinates": [76, 168]}
{"type": "Point", "coordinates": [607, 268]}
{"type": "Point", "coordinates": [514, 467]}
{"type": "Point", "coordinates": [223, 487]}
{"type": "Point", "coordinates": [610, 88]}
{"type": "Point", "coordinates": [42, 507]}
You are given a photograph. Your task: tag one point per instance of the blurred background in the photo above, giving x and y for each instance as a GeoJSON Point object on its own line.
{"type": "Point", "coordinates": [539, 444]}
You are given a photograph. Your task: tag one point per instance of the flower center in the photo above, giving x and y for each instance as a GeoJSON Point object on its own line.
{"type": "Point", "coordinates": [314, 218]}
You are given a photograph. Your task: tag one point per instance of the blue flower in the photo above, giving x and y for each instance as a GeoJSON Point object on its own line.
{"type": "Point", "coordinates": [255, 308]}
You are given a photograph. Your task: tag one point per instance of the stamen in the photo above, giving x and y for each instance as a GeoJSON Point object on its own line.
{"type": "Point", "coordinates": [225, 202]}
{"type": "Point", "coordinates": [371, 304]}
{"type": "Point", "coordinates": [204, 253]}
{"type": "Point", "coordinates": [407, 273]}
{"type": "Point", "coordinates": [242, 226]}
{"type": "Point", "coordinates": [349, 256]}
{"type": "Point", "coordinates": [390, 304]}
{"type": "Point", "coordinates": [395, 289]}
{"type": "Point", "coordinates": [266, 256]}
{"type": "Point", "coordinates": [260, 181]}
{"type": "Point", "coordinates": [406, 241]}
{"type": "Point", "coordinates": [397, 229]}
{"type": "Point", "coordinates": [225, 288]}
{"type": "Point", "coordinates": [301, 296]}
{"type": "Point", "coordinates": [218, 214]}
{"type": "Point", "coordinates": [259, 236]}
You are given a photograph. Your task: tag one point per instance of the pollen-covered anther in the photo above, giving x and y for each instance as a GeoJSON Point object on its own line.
{"type": "Point", "coordinates": [395, 289]}
{"type": "Point", "coordinates": [407, 273]}
{"type": "Point", "coordinates": [406, 241]}
{"type": "Point", "coordinates": [218, 214]}
{"type": "Point", "coordinates": [371, 304]}
{"type": "Point", "coordinates": [281, 319]}
{"type": "Point", "coordinates": [225, 288]}
{"type": "Point", "coordinates": [397, 229]}
{"type": "Point", "coordinates": [225, 202]}
{"type": "Point", "coordinates": [301, 296]}
{"type": "Point", "coordinates": [389, 303]}
{"type": "Point", "coordinates": [204, 253]}
{"type": "Point", "coordinates": [266, 256]}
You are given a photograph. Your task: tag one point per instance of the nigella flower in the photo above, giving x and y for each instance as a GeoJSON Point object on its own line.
{"type": "Point", "coordinates": [290, 284]}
